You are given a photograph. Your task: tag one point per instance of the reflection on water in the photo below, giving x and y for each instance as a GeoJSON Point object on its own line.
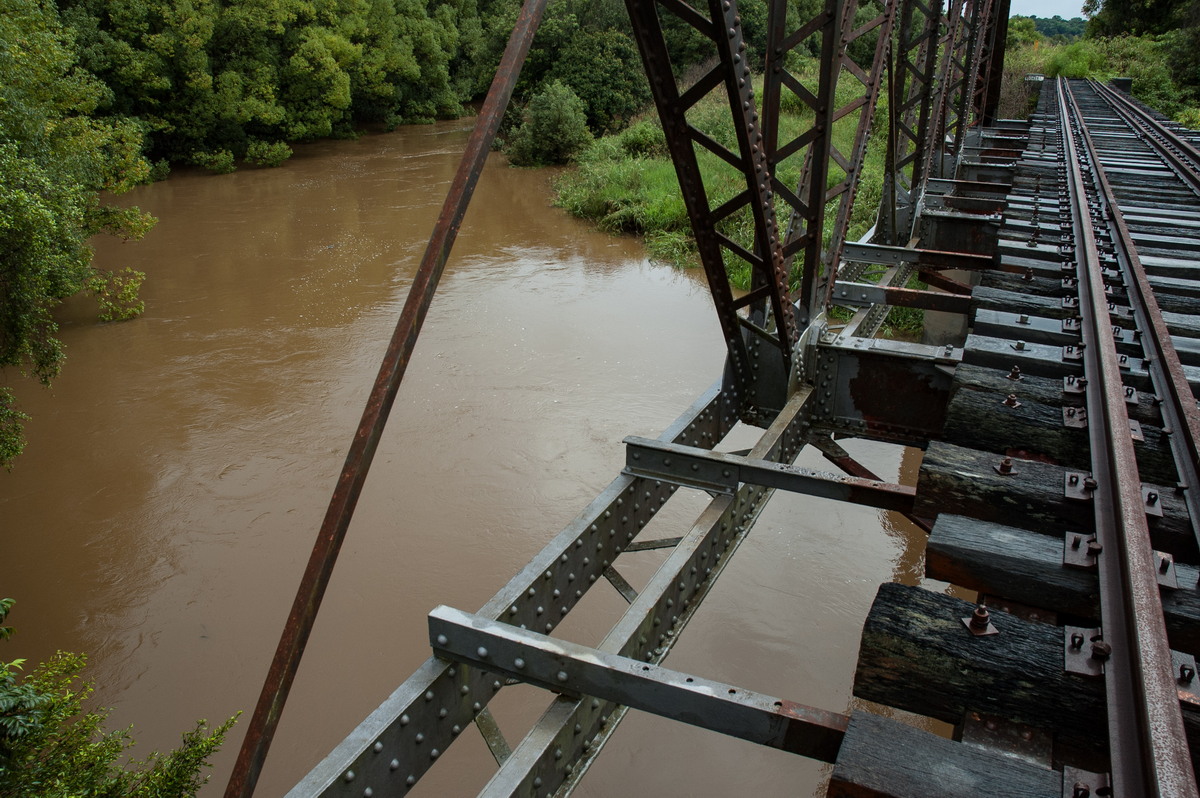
{"type": "Point", "coordinates": [178, 470]}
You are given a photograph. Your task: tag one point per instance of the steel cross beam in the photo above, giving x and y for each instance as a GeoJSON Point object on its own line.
{"type": "Point", "coordinates": [720, 472]}
{"type": "Point", "coordinates": [579, 671]}
{"type": "Point", "coordinates": [562, 744]}
{"type": "Point", "coordinates": [768, 315]}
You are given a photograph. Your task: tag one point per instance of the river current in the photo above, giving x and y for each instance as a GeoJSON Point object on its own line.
{"type": "Point", "coordinates": [179, 468]}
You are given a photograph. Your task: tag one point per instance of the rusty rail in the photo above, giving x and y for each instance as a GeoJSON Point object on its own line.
{"type": "Point", "coordinates": [1139, 682]}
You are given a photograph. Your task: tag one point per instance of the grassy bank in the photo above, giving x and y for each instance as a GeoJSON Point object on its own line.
{"type": "Point", "coordinates": [626, 183]}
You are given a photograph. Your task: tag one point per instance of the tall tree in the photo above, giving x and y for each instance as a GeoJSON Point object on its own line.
{"type": "Point", "coordinates": [55, 158]}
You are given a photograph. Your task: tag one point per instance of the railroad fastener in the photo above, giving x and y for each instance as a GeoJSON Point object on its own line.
{"type": "Point", "coordinates": [1015, 374]}
{"type": "Point", "coordinates": [979, 623]}
{"type": "Point", "coordinates": [1011, 401]}
{"type": "Point", "coordinates": [1101, 650]}
{"type": "Point", "coordinates": [1186, 673]}
{"type": "Point", "coordinates": [1005, 467]}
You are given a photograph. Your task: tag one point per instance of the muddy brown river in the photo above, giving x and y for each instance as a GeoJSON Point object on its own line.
{"type": "Point", "coordinates": [178, 470]}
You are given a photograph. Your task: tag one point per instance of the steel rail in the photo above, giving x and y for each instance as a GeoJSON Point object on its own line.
{"type": "Point", "coordinates": [317, 573]}
{"type": "Point", "coordinates": [1179, 410]}
{"type": "Point", "coordinates": [1162, 137]}
{"type": "Point", "coordinates": [1147, 745]}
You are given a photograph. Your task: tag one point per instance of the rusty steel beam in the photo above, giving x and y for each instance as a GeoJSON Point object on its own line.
{"type": "Point", "coordinates": [806, 229]}
{"type": "Point", "coordinates": [951, 49]}
{"type": "Point", "coordinates": [983, 32]}
{"type": "Point", "coordinates": [862, 104]}
{"type": "Point", "coordinates": [317, 573]}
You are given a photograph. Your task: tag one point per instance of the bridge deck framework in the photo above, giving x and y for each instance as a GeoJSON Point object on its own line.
{"type": "Point", "coordinates": [1057, 417]}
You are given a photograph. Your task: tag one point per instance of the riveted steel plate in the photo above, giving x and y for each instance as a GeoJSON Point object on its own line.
{"type": "Point", "coordinates": [1165, 570]}
{"type": "Point", "coordinates": [1076, 486]}
{"type": "Point", "coordinates": [1075, 417]}
{"type": "Point", "coordinates": [1152, 501]}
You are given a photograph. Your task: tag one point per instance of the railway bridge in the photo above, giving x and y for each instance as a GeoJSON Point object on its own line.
{"type": "Point", "coordinates": [1056, 414]}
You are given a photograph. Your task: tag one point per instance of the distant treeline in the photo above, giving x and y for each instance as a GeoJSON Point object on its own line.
{"type": "Point", "coordinates": [1055, 28]}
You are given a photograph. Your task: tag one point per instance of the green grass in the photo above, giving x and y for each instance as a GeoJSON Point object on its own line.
{"type": "Point", "coordinates": [626, 183]}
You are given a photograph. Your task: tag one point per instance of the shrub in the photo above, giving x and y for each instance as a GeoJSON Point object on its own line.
{"type": "Point", "coordinates": [643, 138]}
{"type": "Point", "coordinates": [117, 293]}
{"type": "Point", "coordinates": [1079, 60]}
{"type": "Point", "coordinates": [554, 130]}
{"type": "Point", "coordinates": [262, 153]}
{"type": "Point", "coordinates": [220, 161]}
{"type": "Point", "coordinates": [54, 747]}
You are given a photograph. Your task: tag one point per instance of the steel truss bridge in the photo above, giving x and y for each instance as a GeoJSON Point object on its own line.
{"type": "Point", "coordinates": [1060, 429]}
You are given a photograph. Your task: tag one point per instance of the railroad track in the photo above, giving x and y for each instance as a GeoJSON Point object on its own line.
{"type": "Point", "coordinates": [1060, 476]}
{"type": "Point", "coordinates": [1105, 194]}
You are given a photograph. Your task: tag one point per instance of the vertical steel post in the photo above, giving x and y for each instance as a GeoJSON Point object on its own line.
{"type": "Point", "coordinates": [808, 205]}
{"type": "Point", "coordinates": [910, 106]}
{"type": "Point", "coordinates": [997, 40]}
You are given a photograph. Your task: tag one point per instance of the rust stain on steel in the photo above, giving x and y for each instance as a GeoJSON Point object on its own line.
{"type": "Point", "coordinates": [888, 392]}
{"type": "Point", "coordinates": [816, 732]}
{"type": "Point", "coordinates": [300, 620]}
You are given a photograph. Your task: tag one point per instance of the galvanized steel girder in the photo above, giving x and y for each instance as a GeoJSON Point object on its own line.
{"type": "Point", "coordinates": [394, 747]}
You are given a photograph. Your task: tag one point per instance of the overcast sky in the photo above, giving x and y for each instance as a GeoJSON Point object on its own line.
{"type": "Point", "coordinates": [1047, 8]}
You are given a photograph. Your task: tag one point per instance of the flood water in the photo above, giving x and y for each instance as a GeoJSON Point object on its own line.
{"type": "Point", "coordinates": [178, 470]}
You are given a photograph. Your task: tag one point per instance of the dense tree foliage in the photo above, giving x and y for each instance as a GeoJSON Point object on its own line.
{"type": "Point", "coordinates": [210, 77]}
{"type": "Point", "coordinates": [55, 156]}
{"type": "Point", "coordinates": [1055, 28]}
{"type": "Point", "coordinates": [52, 745]}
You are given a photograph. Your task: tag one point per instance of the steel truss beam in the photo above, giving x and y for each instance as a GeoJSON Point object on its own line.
{"type": "Point", "coordinates": [390, 750]}
{"type": "Point", "coordinates": [579, 671]}
{"type": "Point", "coordinates": [991, 71]}
{"type": "Point", "coordinates": [719, 472]}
